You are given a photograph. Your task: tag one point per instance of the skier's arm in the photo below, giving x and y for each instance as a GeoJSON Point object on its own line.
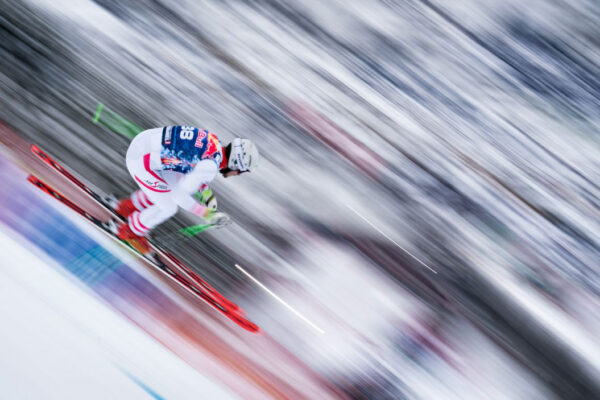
{"type": "Point", "coordinates": [204, 172]}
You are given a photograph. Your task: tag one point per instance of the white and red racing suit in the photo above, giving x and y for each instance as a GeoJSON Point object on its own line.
{"type": "Point", "coordinates": [169, 164]}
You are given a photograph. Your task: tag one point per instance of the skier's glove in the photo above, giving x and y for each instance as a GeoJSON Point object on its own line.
{"type": "Point", "coordinates": [207, 197]}
{"type": "Point", "coordinates": [217, 218]}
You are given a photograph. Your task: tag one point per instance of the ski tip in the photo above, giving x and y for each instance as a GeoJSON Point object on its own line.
{"type": "Point", "coordinates": [35, 149]}
{"type": "Point", "coordinates": [249, 326]}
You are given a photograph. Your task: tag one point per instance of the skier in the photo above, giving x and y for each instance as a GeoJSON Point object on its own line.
{"type": "Point", "coordinates": [170, 165]}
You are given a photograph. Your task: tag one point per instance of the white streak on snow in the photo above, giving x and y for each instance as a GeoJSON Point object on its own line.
{"type": "Point", "coordinates": [302, 317]}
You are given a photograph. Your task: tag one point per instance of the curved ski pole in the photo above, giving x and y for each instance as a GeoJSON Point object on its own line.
{"type": "Point", "coordinates": [194, 230]}
{"type": "Point", "coordinates": [188, 232]}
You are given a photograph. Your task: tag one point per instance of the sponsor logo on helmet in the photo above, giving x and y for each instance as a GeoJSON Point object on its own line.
{"type": "Point", "coordinates": [240, 161]}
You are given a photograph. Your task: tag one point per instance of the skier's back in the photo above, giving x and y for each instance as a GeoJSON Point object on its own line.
{"type": "Point", "coordinates": [170, 165]}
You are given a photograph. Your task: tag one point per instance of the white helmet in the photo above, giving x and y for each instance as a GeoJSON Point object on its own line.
{"type": "Point", "coordinates": [244, 155]}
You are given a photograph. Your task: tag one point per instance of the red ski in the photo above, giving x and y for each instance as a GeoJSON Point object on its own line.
{"type": "Point", "coordinates": [159, 258]}
{"type": "Point", "coordinates": [157, 249]}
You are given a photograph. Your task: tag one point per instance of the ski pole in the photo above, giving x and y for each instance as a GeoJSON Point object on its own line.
{"type": "Point", "coordinates": [195, 229]}
{"type": "Point", "coordinates": [115, 122]}
{"type": "Point", "coordinates": [187, 233]}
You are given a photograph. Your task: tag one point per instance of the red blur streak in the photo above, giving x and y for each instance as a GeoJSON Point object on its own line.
{"type": "Point", "coordinates": [336, 138]}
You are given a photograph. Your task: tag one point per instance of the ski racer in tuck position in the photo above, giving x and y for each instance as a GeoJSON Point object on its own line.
{"type": "Point", "coordinates": [170, 165]}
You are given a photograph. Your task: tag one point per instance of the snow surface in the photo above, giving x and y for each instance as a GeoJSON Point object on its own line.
{"type": "Point", "coordinates": [59, 341]}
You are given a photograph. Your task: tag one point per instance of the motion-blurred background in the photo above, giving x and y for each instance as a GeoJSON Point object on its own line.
{"type": "Point", "coordinates": [429, 189]}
